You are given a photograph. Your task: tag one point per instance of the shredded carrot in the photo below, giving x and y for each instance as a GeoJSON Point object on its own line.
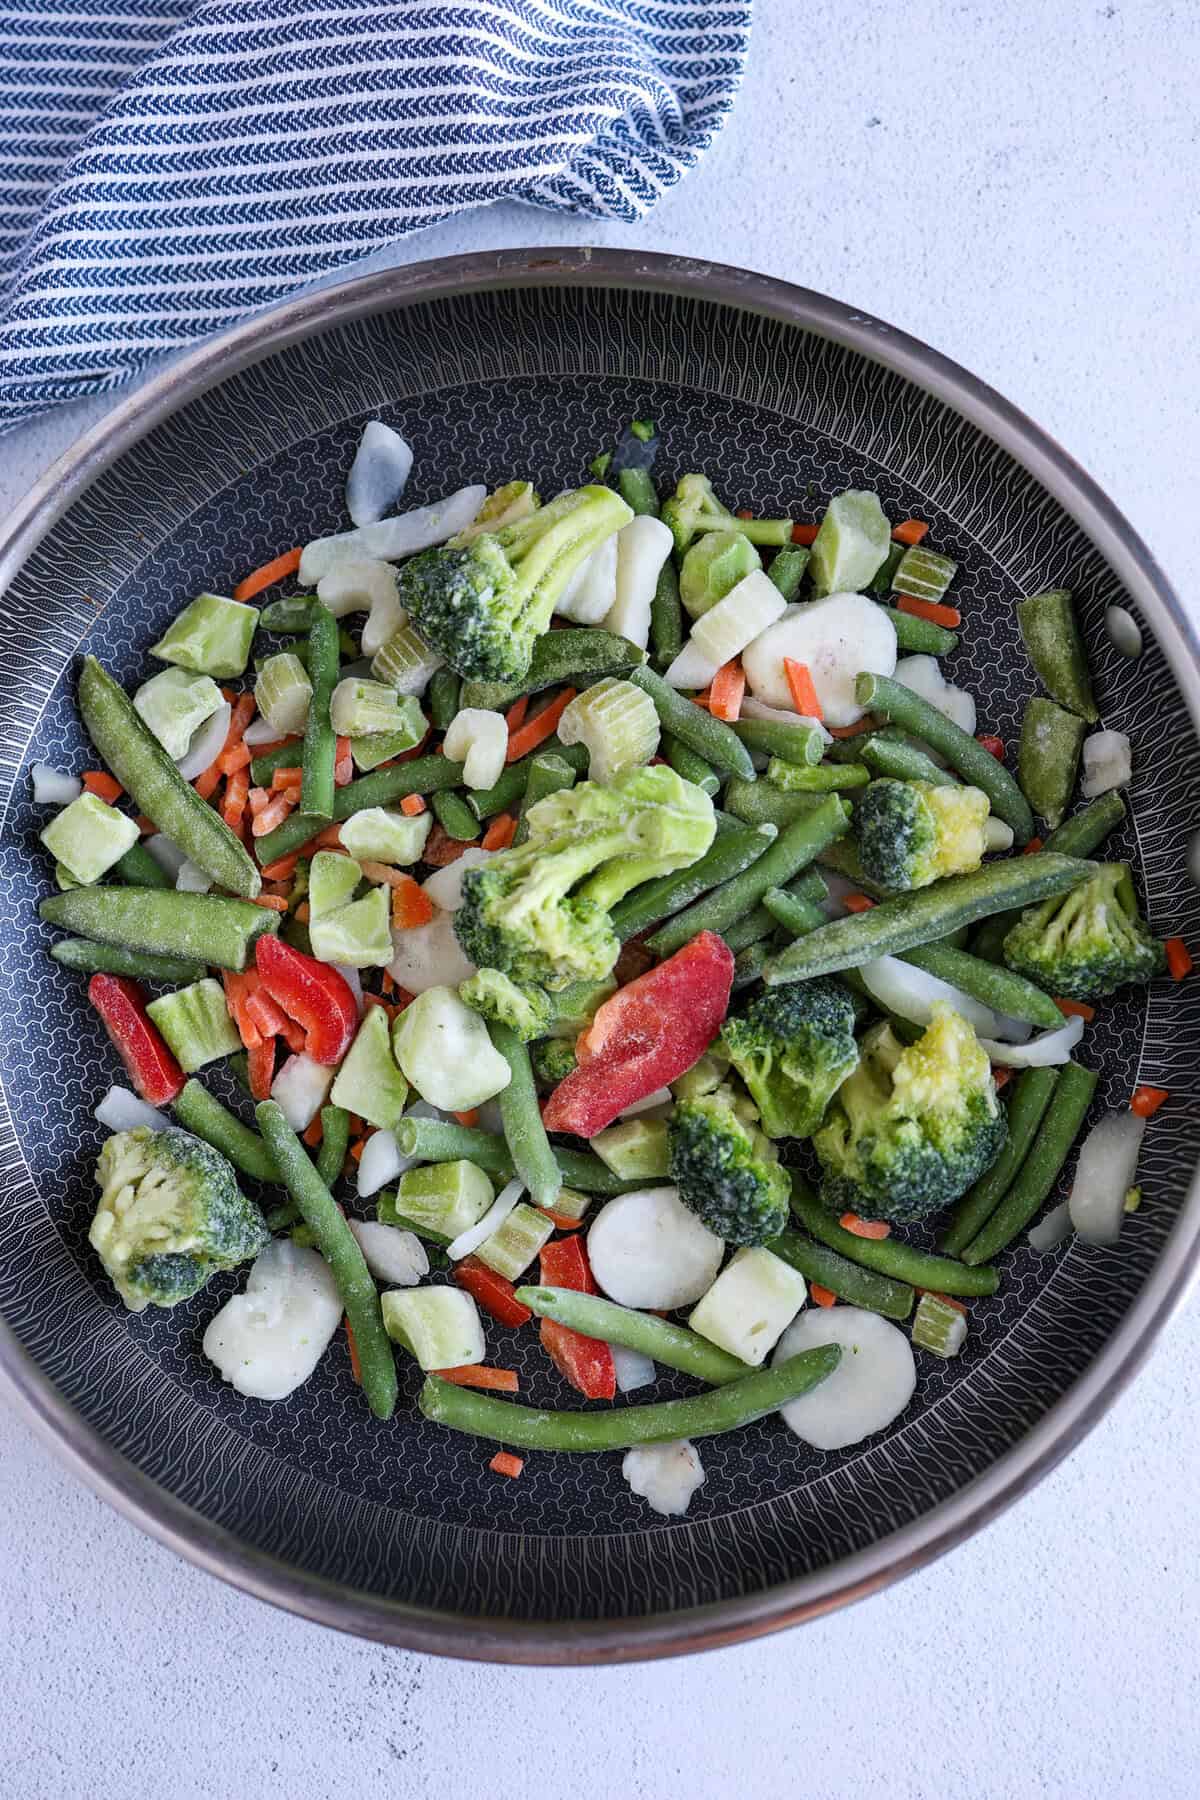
{"type": "Point", "coordinates": [1000, 1076]}
{"type": "Point", "coordinates": [278, 744]}
{"type": "Point", "coordinates": [478, 1375]}
{"type": "Point", "coordinates": [1179, 958]}
{"type": "Point", "coordinates": [928, 609]}
{"type": "Point", "coordinates": [102, 784]}
{"type": "Point", "coordinates": [343, 763]}
{"type": "Point", "coordinates": [352, 1347]}
{"type": "Point", "coordinates": [728, 691]}
{"type": "Point", "coordinates": [313, 1133]}
{"type": "Point", "coordinates": [1075, 1009]}
{"type": "Point", "coordinates": [505, 1463]}
{"type": "Point", "coordinates": [470, 1117]}
{"type": "Point", "coordinates": [1033, 846]}
{"type": "Point", "coordinates": [743, 512]}
{"type": "Point", "coordinates": [237, 990]}
{"type": "Point", "coordinates": [206, 784]}
{"type": "Point", "coordinates": [538, 729]}
{"type": "Point", "coordinates": [268, 575]}
{"type": "Point", "coordinates": [388, 981]}
{"type": "Point", "coordinates": [866, 723]}
{"type": "Point", "coordinates": [800, 685]}
{"type": "Point", "coordinates": [259, 799]}
{"type": "Point", "coordinates": [411, 905]}
{"type": "Point", "coordinates": [703, 699]}
{"type": "Point", "coordinates": [271, 900]}
{"type": "Point", "coordinates": [412, 806]}
{"type": "Point", "coordinates": [329, 839]}
{"type": "Point", "coordinates": [500, 833]}
{"type": "Point", "coordinates": [260, 1068]}
{"type": "Point", "coordinates": [357, 1149]}
{"type": "Point", "coordinates": [233, 759]}
{"type": "Point", "coordinates": [804, 534]}
{"type": "Point", "coordinates": [266, 1013]}
{"type": "Point", "coordinates": [909, 531]}
{"type": "Point", "coordinates": [514, 718]}
{"type": "Point", "coordinates": [821, 1296]}
{"type": "Point", "coordinates": [857, 903]}
{"type": "Point", "coordinates": [272, 815]}
{"type": "Point", "coordinates": [1147, 1100]}
{"type": "Point", "coordinates": [237, 792]}
{"type": "Point", "coordinates": [865, 1228]}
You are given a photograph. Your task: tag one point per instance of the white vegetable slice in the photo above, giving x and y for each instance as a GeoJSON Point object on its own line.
{"type": "Point", "coordinates": [758, 709]}
{"type": "Point", "coordinates": [259, 731]}
{"type": "Point", "coordinates": [724, 631]}
{"type": "Point", "coordinates": [1107, 763]}
{"type": "Point", "coordinates": [353, 981]}
{"type": "Point", "coordinates": [445, 1053]}
{"type": "Point", "coordinates": [692, 668]}
{"type": "Point", "coordinates": [208, 740]}
{"type": "Point", "coordinates": [430, 955]}
{"type": "Point", "coordinates": [300, 1089]}
{"type": "Point", "coordinates": [379, 473]}
{"type": "Point", "coordinates": [1124, 632]}
{"type": "Point", "coordinates": [168, 856]}
{"type": "Point", "coordinates": [632, 1369]}
{"type": "Point", "coordinates": [492, 1220]}
{"type": "Point", "coordinates": [648, 1250]}
{"type": "Point", "coordinates": [478, 739]}
{"type": "Point", "coordinates": [1046, 1048]}
{"type": "Point", "coordinates": [643, 546]}
{"type": "Point", "coordinates": [444, 886]}
{"type": "Point", "coordinates": [267, 1341]}
{"type": "Point", "coordinates": [393, 538]}
{"type": "Point", "coordinates": [910, 992]}
{"type": "Point", "coordinates": [1103, 1176]}
{"type": "Point", "coordinates": [192, 879]}
{"type": "Point", "coordinates": [121, 1110]}
{"type": "Point", "coordinates": [51, 787]}
{"type": "Point", "coordinates": [837, 639]}
{"type": "Point", "coordinates": [380, 1163]}
{"type": "Point", "coordinates": [997, 835]}
{"type": "Point", "coordinates": [870, 1387]}
{"type": "Point", "coordinates": [664, 1475]}
{"type": "Point", "coordinates": [391, 1254]}
{"type": "Point", "coordinates": [923, 674]}
{"type": "Point", "coordinates": [660, 1097]}
{"type": "Point", "coordinates": [1051, 1231]}
{"type": "Point", "coordinates": [591, 592]}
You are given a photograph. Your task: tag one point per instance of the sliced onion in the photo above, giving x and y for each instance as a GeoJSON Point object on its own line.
{"type": "Point", "coordinates": [632, 1368]}
{"type": "Point", "coordinates": [208, 741]}
{"type": "Point", "coordinates": [391, 1254]}
{"type": "Point", "coordinates": [300, 1088]}
{"type": "Point", "coordinates": [261, 731]}
{"type": "Point", "coordinates": [1103, 1176]}
{"type": "Point", "coordinates": [169, 857]}
{"type": "Point", "coordinates": [1040, 1052]}
{"type": "Point", "coordinates": [1051, 1231]}
{"type": "Point", "coordinates": [492, 1220]}
{"type": "Point", "coordinates": [192, 879]}
{"type": "Point", "coordinates": [910, 992]}
{"type": "Point", "coordinates": [351, 978]}
{"type": "Point", "coordinates": [392, 538]}
{"type": "Point", "coordinates": [660, 1097]}
{"type": "Point", "coordinates": [51, 787]}
{"type": "Point", "coordinates": [1124, 632]}
{"type": "Point", "coordinates": [121, 1110]}
{"type": "Point", "coordinates": [380, 1163]}
{"type": "Point", "coordinates": [379, 473]}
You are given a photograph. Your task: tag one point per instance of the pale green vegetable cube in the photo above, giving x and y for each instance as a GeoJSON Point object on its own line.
{"type": "Point", "coordinates": [196, 1024]}
{"type": "Point", "coordinates": [406, 662]}
{"type": "Point", "coordinates": [511, 1249]}
{"type": "Point", "coordinates": [332, 880]}
{"type": "Point", "coordinates": [88, 837]}
{"type": "Point", "coordinates": [446, 1197]}
{"type": "Point", "coordinates": [283, 692]}
{"type": "Point", "coordinates": [212, 635]}
{"type": "Point", "coordinates": [445, 1051]}
{"type": "Point", "coordinates": [64, 881]}
{"type": "Point", "coordinates": [380, 746]}
{"type": "Point", "coordinates": [379, 835]}
{"type": "Point", "coordinates": [616, 722]}
{"type": "Point", "coordinates": [438, 1325]}
{"type": "Point", "coordinates": [634, 1148]}
{"type": "Point", "coordinates": [704, 1077]}
{"type": "Point", "coordinates": [750, 1305]}
{"type": "Point", "coordinates": [852, 542]}
{"type": "Point", "coordinates": [361, 708]}
{"type": "Point", "coordinates": [359, 934]}
{"type": "Point", "coordinates": [173, 703]}
{"type": "Point", "coordinates": [369, 1081]}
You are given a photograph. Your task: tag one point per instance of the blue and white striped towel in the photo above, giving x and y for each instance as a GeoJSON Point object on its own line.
{"type": "Point", "coordinates": [168, 166]}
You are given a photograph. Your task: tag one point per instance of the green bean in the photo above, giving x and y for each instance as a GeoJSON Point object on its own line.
{"type": "Point", "coordinates": [292, 614]}
{"type": "Point", "coordinates": [849, 1281]}
{"type": "Point", "coordinates": [920, 637]}
{"type": "Point", "coordinates": [909, 920]}
{"type": "Point", "coordinates": [796, 916]}
{"type": "Point", "coordinates": [965, 756]}
{"type": "Point", "coordinates": [890, 1255]}
{"type": "Point", "coordinates": [792, 778]}
{"type": "Point", "coordinates": [887, 755]}
{"type": "Point", "coordinates": [787, 571]}
{"type": "Point", "coordinates": [758, 923]}
{"type": "Point", "coordinates": [163, 922]}
{"type": "Point", "coordinates": [319, 750]}
{"type": "Point", "coordinates": [800, 743]}
{"type": "Point", "coordinates": [1041, 1167]}
{"type": "Point", "coordinates": [729, 855]}
{"type": "Point", "coordinates": [443, 697]}
{"type": "Point", "coordinates": [111, 959]}
{"type": "Point", "coordinates": [996, 987]}
{"type": "Point", "coordinates": [1075, 837]}
{"type": "Point", "coordinates": [455, 816]}
{"type": "Point", "coordinates": [529, 1148]}
{"type": "Point", "coordinates": [280, 1217]}
{"type": "Point", "coordinates": [548, 773]}
{"type": "Point", "coordinates": [202, 1114]}
{"type": "Point", "coordinates": [792, 850]}
{"type": "Point", "coordinates": [685, 762]}
{"type": "Point", "coordinates": [710, 738]}
{"type": "Point", "coordinates": [1048, 757]}
{"type": "Point", "coordinates": [721, 1409]}
{"type": "Point", "coordinates": [637, 491]}
{"type": "Point", "coordinates": [486, 802]}
{"type": "Point", "coordinates": [436, 1140]}
{"type": "Point", "coordinates": [1031, 1095]}
{"type": "Point", "coordinates": [666, 617]}
{"type": "Point", "coordinates": [239, 1067]}
{"type": "Point", "coordinates": [577, 654]}
{"type": "Point", "coordinates": [761, 803]}
{"type": "Point", "coordinates": [284, 756]}
{"type": "Point", "coordinates": [339, 1247]}
{"type": "Point", "coordinates": [1051, 636]}
{"type": "Point", "coordinates": [335, 1139]}
{"type": "Point", "coordinates": [749, 963]}
{"type": "Point", "coordinates": [881, 581]}
{"type": "Point", "coordinates": [672, 1345]}
{"type": "Point", "coordinates": [137, 868]}
{"type": "Point", "coordinates": [156, 787]}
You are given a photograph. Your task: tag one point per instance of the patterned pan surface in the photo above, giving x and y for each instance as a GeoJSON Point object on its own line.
{"type": "Point", "coordinates": [532, 382]}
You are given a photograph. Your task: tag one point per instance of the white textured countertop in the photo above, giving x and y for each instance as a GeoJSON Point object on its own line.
{"type": "Point", "coordinates": [1016, 185]}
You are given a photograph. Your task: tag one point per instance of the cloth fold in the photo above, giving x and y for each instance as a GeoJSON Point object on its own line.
{"type": "Point", "coordinates": [169, 166]}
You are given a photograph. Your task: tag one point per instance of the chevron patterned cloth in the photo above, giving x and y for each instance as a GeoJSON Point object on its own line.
{"type": "Point", "coordinates": [169, 166]}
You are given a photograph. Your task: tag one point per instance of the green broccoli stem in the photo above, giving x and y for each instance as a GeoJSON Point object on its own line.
{"type": "Point", "coordinates": [889, 1256]}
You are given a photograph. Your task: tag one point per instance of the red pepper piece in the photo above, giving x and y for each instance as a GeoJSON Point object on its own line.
{"type": "Point", "coordinates": [491, 1291]}
{"type": "Point", "coordinates": [313, 994]}
{"type": "Point", "coordinates": [564, 1263]}
{"type": "Point", "coordinates": [153, 1071]}
{"type": "Point", "coordinates": [644, 1037]}
{"type": "Point", "coordinates": [587, 1363]}
{"type": "Point", "coordinates": [993, 745]}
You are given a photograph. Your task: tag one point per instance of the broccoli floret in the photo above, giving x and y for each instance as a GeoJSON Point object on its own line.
{"type": "Point", "coordinates": [911, 1129]}
{"type": "Point", "coordinates": [793, 1047]}
{"type": "Point", "coordinates": [170, 1215]}
{"type": "Point", "coordinates": [539, 912]}
{"type": "Point", "coordinates": [553, 1060]}
{"type": "Point", "coordinates": [483, 599]}
{"type": "Point", "coordinates": [525, 1009]}
{"type": "Point", "coordinates": [726, 1171]}
{"type": "Point", "coordinates": [1087, 943]}
{"type": "Point", "coordinates": [693, 508]}
{"type": "Point", "coordinates": [910, 833]}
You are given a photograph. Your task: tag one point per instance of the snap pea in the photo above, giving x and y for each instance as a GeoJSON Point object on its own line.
{"type": "Point", "coordinates": [335, 1138]}
{"type": "Point", "coordinates": [284, 756]}
{"type": "Point", "coordinates": [1051, 636]}
{"type": "Point", "coordinates": [710, 738]}
{"type": "Point", "coordinates": [672, 1345]}
{"type": "Point", "coordinates": [825, 778]}
{"type": "Point", "coordinates": [849, 1281]}
{"type": "Point", "coordinates": [163, 922]}
{"type": "Point", "coordinates": [549, 772]}
{"type": "Point", "coordinates": [761, 803]}
{"type": "Point", "coordinates": [156, 787]}
{"type": "Point", "coordinates": [1041, 1167]}
{"type": "Point", "coordinates": [799, 743]}
{"type": "Point", "coordinates": [111, 959]}
{"type": "Point", "coordinates": [319, 750]}
{"type": "Point", "coordinates": [730, 853]}
{"type": "Point", "coordinates": [721, 1409]}
{"type": "Point", "coordinates": [885, 754]}
{"type": "Point", "coordinates": [787, 571]}
{"type": "Point", "coordinates": [666, 617]}
{"type": "Point", "coordinates": [202, 1114]}
{"type": "Point", "coordinates": [339, 1247]}
{"type": "Point", "coordinates": [909, 920]}
{"type": "Point", "coordinates": [577, 654]}
{"type": "Point", "coordinates": [796, 916]}
{"type": "Point", "coordinates": [1075, 837]}
{"type": "Point", "coordinates": [967, 757]}
{"type": "Point", "coordinates": [637, 491]}
{"type": "Point", "coordinates": [529, 1148]}
{"type": "Point", "coordinates": [995, 986]}
{"type": "Point", "coordinates": [294, 613]}
{"type": "Point", "coordinates": [436, 1140]}
{"type": "Point", "coordinates": [890, 1255]}
{"type": "Point", "coordinates": [455, 816]}
{"type": "Point", "coordinates": [137, 868]}
{"type": "Point", "coordinates": [1048, 757]}
{"type": "Point", "coordinates": [920, 637]}
{"type": "Point", "coordinates": [443, 697]}
{"type": "Point", "coordinates": [1031, 1095]}
{"type": "Point", "coordinates": [792, 850]}
{"type": "Point", "coordinates": [685, 762]}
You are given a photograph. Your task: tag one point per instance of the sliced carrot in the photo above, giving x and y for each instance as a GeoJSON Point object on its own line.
{"type": "Point", "coordinates": [293, 1035]}
{"type": "Point", "coordinates": [804, 534]}
{"type": "Point", "coordinates": [243, 712]}
{"type": "Point", "coordinates": [266, 1014]}
{"type": "Point", "coordinates": [505, 1463]}
{"type": "Point", "coordinates": [1179, 958]}
{"type": "Point", "coordinates": [514, 718]}
{"type": "Point", "coordinates": [1075, 1009]}
{"type": "Point", "coordinates": [271, 900]}
{"type": "Point", "coordinates": [928, 609]}
{"type": "Point", "coordinates": [500, 833]}
{"type": "Point", "coordinates": [470, 1117]}
{"type": "Point", "coordinates": [206, 783]}
{"type": "Point", "coordinates": [703, 699]}
{"type": "Point", "coordinates": [343, 763]}
{"type": "Point", "coordinates": [352, 1347]}
{"type": "Point", "coordinates": [328, 839]}
{"type": "Point", "coordinates": [1000, 1076]}
{"type": "Point", "coordinates": [260, 1067]}
{"type": "Point", "coordinates": [865, 1228]}
{"type": "Point", "coordinates": [303, 913]}
{"type": "Point", "coordinates": [237, 989]}
{"type": "Point", "coordinates": [909, 531]}
{"type": "Point", "coordinates": [1147, 1100]}
{"type": "Point", "coordinates": [411, 905]}
{"type": "Point", "coordinates": [272, 815]}
{"type": "Point", "coordinates": [536, 730]}
{"type": "Point", "coordinates": [743, 512]}
{"type": "Point", "coordinates": [103, 785]}
{"type": "Point", "coordinates": [146, 826]}
{"type": "Point", "coordinates": [562, 1221]}
{"type": "Point", "coordinates": [237, 792]}
{"type": "Point", "coordinates": [1033, 846]}
{"type": "Point", "coordinates": [821, 1296]}
{"type": "Point", "coordinates": [236, 757]}
{"type": "Point", "coordinates": [285, 778]}
{"type": "Point", "coordinates": [268, 575]}
{"type": "Point", "coordinates": [728, 691]}
{"type": "Point", "coordinates": [800, 685]}
{"type": "Point", "coordinates": [412, 806]}
{"type": "Point", "coordinates": [479, 1375]}
{"type": "Point", "coordinates": [313, 1133]}
{"type": "Point", "coordinates": [357, 1149]}
{"type": "Point", "coordinates": [283, 869]}
{"type": "Point", "coordinates": [857, 903]}
{"type": "Point", "coordinates": [258, 800]}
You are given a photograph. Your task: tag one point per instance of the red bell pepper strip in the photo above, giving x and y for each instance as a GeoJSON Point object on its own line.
{"type": "Point", "coordinates": [491, 1291]}
{"type": "Point", "coordinates": [313, 994]}
{"type": "Point", "coordinates": [153, 1071]}
{"type": "Point", "coordinates": [587, 1363]}
{"type": "Point", "coordinates": [644, 1037]}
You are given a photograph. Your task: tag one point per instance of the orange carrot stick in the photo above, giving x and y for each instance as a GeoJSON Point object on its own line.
{"type": "Point", "coordinates": [800, 686]}
{"type": "Point", "coordinates": [910, 531]}
{"type": "Point", "coordinates": [727, 691]}
{"type": "Point", "coordinates": [268, 575]}
{"type": "Point", "coordinates": [538, 729]}
{"type": "Point", "coordinates": [949, 616]}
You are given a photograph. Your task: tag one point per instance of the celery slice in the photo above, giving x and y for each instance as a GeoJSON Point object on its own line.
{"type": "Point", "coordinates": [212, 636]}
{"type": "Point", "coordinates": [196, 1024]}
{"type": "Point", "coordinates": [511, 1249]}
{"type": "Point", "coordinates": [283, 691]}
{"type": "Point", "coordinates": [938, 1327]}
{"type": "Point", "coordinates": [406, 662]}
{"type": "Point", "coordinates": [446, 1197]}
{"type": "Point", "coordinates": [359, 934]}
{"type": "Point", "coordinates": [173, 704]}
{"type": "Point", "coordinates": [853, 540]}
{"type": "Point", "coordinates": [714, 564]}
{"type": "Point", "coordinates": [634, 1149]}
{"type": "Point", "coordinates": [616, 722]}
{"type": "Point", "coordinates": [923, 574]}
{"type": "Point", "coordinates": [379, 835]}
{"type": "Point", "coordinates": [438, 1325]}
{"type": "Point", "coordinates": [362, 708]}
